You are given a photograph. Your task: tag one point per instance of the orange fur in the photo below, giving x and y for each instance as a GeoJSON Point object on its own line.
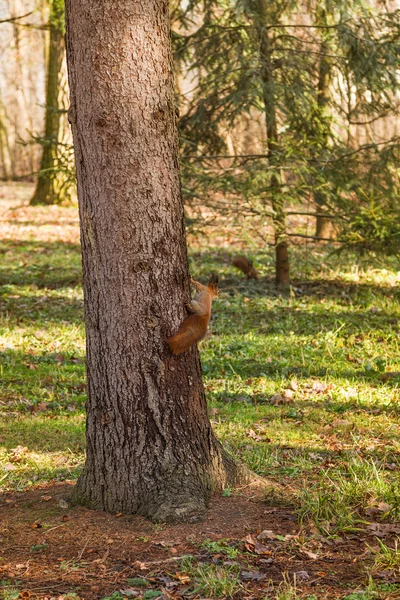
{"type": "Point", "coordinates": [246, 266]}
{"type": "Point", "coordinates": [194, 327]}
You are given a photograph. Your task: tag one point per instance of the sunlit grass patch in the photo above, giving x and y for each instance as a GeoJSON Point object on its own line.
{"type": "Point", "coordinates": [301, 384]}
{"type": "Point", "coordinates": [339, 499]}
{"type": "Point", "coordinates": [35, 467]}
{"type": "Point", "coordinates": [34, 449]}
{"type": "Point", "coordinates": [212, 580]}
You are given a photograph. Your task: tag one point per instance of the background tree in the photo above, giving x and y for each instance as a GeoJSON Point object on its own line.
{"type": "Point", "coordinates": [55, 182]}
{"type": "Point", "coordinates": [313, 74]}
{"type": "Point", "coordinates": [150, 447]}
{"type": "Point", "coordinates": [21, 86]}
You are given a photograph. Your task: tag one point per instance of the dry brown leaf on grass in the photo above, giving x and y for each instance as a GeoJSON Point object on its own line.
{"type": "Point", "coordinates": [252, 544]}
{"type": "Point", "coordinates": [288, 394]}
{"type": "Point", "coordinates": [310, 555]}
{"type": "Point", "coordinates": [182, 577]}
{"type": "Point", "coordinates": [319, 387]}
{"type": "Point", "coordinates": [18, 453]}
{"type": "Point", "coordinates": [390, 375]}
{"type": "Point", "coordinates": [30, 366]}
{"type": "Point", "coordinates": [379, 509]}
{"type": "Point", "coordinates": [301, 575]}
{"type": "Point", "coordinates": [276, 399]}
{"type": "Point", "coordinates": [254, 436]}
{"type": "Point", "coordinates": [252, 575]}
{"type": "Point", "coordinates": [382, 529]}
{"type": "Point", "coordinates": [267, 534]}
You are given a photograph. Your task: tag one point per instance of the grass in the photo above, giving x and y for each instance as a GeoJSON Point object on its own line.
{"type": "Point", "coordinates": [220, 546]}
{"type": "Point", "coordinates": [297, 382]}
{"type": "Point", "coordinates": [212, 580]}
{"type": "Point", "coordinates": [386, 558]}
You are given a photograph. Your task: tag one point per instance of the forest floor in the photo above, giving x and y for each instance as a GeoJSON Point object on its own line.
{"type": "Point", "coordinates": [302, 386]}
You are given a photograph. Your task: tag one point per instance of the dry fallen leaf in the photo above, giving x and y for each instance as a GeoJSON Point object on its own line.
{"type": "Point", "coordinates": [253, 435]}
{"type": "Point", "coordinates": [130, 593]}
{"type": "Point", "coordinates": [382, 529]}
{"type": "Point", "coordinates": [253, 545]}
{"type": "Point", "coordinates": [319, 387]}
{"type": "Point", "coordinates": [267, 534]}
{"type": "Point", "coordinates": [390, 375]}
{"type": "Point", "coordinates": [18, 453]}
{"type": "Point", "coordinates": [251, 576]}
{"type": "Point", "coordinates": [9, 467]}
{"type": "Point", "coordinates": [276, 399]}
{"type": "Point", "coordinates": [301, 575]}
{"type": "Point", "coordinates": [30, 366]}
{"type": "Point", "coordinates": [182, 577]}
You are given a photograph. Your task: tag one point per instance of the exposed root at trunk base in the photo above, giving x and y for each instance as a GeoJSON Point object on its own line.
{"type": "Point", "coordinates": [179, 497]}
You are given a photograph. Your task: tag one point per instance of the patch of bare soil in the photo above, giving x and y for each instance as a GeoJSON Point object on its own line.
{"type": "Point", "coordinates": [50, 549]}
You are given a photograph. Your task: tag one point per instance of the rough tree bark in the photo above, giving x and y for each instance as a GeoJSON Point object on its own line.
{"type": "Point", "coordinates": [260, 18]}
{"type": "Point", "coordinates": [51, 188]}
{"type": "Point", "coordinates": [150, 447]}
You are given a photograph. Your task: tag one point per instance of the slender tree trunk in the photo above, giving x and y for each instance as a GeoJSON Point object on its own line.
{"type": "Point", "coordinates": [23, 156]}
{"type": "Point", "coordinates": [5, 156]}
{"type": "Point", "coordinates": [323, 227]}
{"type": "Point", "coordinates": [150, 447]}
{"type": "Point", "coordinates": [49, 189]}
{"type": "Point", "coordinates": [282, 273]}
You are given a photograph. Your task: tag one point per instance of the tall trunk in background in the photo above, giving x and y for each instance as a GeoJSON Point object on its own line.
{"type": "Point", "coordinates": [324, 228]}
{"type": "Point", "coordinates": [150, 447]}
{"type": "Point", "coordinates": [260, 18]}
{"type": "Point", "coordinates": [50, 188]}
{"type": "Point", "coordinates": [5, 155]}
{"type": "Point", "coordinates": [23, 155]}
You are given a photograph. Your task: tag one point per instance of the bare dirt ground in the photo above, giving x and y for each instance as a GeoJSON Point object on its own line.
{"type": "Point", "coordinates": [50, 549]}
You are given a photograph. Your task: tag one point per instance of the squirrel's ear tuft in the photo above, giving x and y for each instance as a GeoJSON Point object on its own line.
{"type": "Point", "coordinates": [213, 284]}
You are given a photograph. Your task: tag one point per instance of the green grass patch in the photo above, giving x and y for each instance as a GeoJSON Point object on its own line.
{"type": "Point", "coordinates": [301, 384]}
{"type": "Point", "coordinates": [212, 580]}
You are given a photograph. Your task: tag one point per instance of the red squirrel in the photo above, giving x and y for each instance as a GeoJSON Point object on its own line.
{"type": "Point", "coordinates": [246, 266]}
{"type": "Point", "coordinates": [194, 327]}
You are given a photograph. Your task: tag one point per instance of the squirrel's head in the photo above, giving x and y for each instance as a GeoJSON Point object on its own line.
{"type": "Point", "coordinates": [213, 285]}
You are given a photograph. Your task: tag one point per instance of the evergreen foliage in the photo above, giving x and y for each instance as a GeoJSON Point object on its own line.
{"type": "Point", "coordinates": [328, 72]}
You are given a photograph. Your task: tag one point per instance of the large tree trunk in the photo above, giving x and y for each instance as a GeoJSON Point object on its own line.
{"type": "Point", "coordinates": [282, 271]}
{"type": "Point", "coordinates": [53, 185]}
{"type": "Point", "coordinates": [150, 447]}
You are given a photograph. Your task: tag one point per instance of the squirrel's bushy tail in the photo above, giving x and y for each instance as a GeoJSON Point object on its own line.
{"type": "Point", "coordinates": [192, 330]}
{"type": "Point", "coordinates": [179, 343]}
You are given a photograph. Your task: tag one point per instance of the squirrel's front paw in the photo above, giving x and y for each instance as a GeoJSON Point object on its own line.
{"type": "Point", "coordinates": [189, 307]}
